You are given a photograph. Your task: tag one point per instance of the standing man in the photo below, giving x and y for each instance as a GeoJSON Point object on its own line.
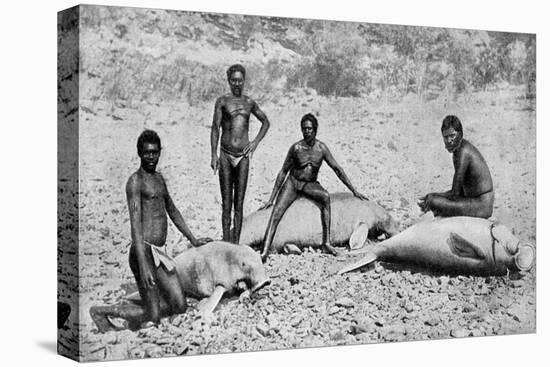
{"type": "Point", "coordinates": [472, 192]}
{"type": "Point", "coordinates": [232, 115]}
{"type": "Point", "coordinates": [298, 177]}
{"type": "Point", "coordinates": [149, 203]}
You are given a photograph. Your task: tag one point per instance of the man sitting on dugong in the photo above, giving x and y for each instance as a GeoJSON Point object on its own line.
{"type": "Point", "coordinates": [472, 192]}
{"type": "Point", "coordinates": [298, 178]}
{"type": "Point", "coordinates": [352, 221]}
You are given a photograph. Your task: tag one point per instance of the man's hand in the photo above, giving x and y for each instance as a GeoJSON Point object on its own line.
{"type": "Point", "coordinates": [147, 277]}
{"type": "Point", "coordinates": [424, 203]}
{"type": "Point", "coordinates": [214, 163]}
{"type": "Point", "coordinates": [266, 205]}
{"type": "Point", "coordinates": [360, 196]}
{"type": "Point", "coordinates": [250, 148]}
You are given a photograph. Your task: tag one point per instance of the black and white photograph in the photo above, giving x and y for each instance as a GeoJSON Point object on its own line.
{"type": "Point", "coordinates": [244, 183]}
{"type": "Point", "coordinates": [236, 183]}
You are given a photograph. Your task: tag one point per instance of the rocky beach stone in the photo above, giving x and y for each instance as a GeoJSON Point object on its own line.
{"type": "Point", "coordinates": [459, 333]}
{"type": "Point", "coordinates": [345, 302]}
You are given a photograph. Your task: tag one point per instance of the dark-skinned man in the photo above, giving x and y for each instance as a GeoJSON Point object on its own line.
{"type": "Point", "coordinates": [298, 178]}
{"type": "Point", "coordinates": [472, 192]}
{"type": "Point", "coordinates": [231, 117]}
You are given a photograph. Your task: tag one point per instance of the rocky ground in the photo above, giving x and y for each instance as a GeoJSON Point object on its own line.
{"type": "Point", "coordinates": [392, 153]}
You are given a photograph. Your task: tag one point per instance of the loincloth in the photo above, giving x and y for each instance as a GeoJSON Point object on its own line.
{"type": "Point", "coordinates": [300, 184]}
{"type": "Point", "coordinates": [233, 158]}
{"type": "Point", "coordinates": [160, 256]}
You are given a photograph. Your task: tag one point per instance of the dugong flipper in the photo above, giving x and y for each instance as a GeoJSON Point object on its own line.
{"type": "Point", "coordinates": [207, 272]}
{"type": "Point", "coordinates": [301, 224]}
{"type": "Point", "coordinates": [462, 245]}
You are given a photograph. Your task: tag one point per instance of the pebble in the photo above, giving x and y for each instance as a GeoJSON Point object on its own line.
{"type": "Point", "coordinates": [459, 333]}
{"type": "Point", "coordinates": [180, 348]}
{"type": "Point", "coordinates": [136, 353]}
{"type": "Point", "coordinates": [336, 335]}
{"type": "Point", "coordinates": [345, 302]}
{"type": "Point", "coordinates": [380, 321]}
{"type": "Point", "coordinates": [263, 329]}
{"type": "Point", "coordinates": [292, 249]}
{"type": "Point", "coordinates": [433, 321]}
{"type": "Point", "coordinates": [154, 352]}
{"type": "Point", "coordinates": [333, 310]}
{"type": "Point", "coordinates": [359, 328]}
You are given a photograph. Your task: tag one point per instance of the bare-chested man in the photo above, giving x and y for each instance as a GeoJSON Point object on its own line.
{"type": "Point", "coordinates": [148, 203]}
{"type": "Point", "coordinates": [472, 192]}
{"type": "Point", "coordinates": [232, 115]}
{"type": "Point", "coordinates": [300, 169]}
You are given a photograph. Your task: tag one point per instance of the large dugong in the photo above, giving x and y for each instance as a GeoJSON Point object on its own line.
{"type": "Point", "coordinates": [352, 219]}
{"type": "Point", "coordinates": [462, 245]}
{"type": "Point", "coordinates": [208, 272]}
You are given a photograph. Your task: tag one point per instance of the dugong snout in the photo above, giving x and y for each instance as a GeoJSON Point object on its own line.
{"type": "Point", "coordinates": [524, 256]}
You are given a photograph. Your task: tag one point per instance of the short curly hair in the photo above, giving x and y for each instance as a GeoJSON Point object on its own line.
{"type": "Point", "coordinates": [451, 121]}
{"type": "Point", "coordinates": [234, 68]}
{"type": "Point", "coordinates": [312, 118]}
{"type": "Point", "coordinates": [147, 136]}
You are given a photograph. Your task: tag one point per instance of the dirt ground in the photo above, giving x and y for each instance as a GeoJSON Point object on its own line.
{"type": "Point", "coordinates": [392, 153]}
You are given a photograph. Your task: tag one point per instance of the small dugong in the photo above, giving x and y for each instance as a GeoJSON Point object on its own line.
{"type": "Point", "coordinates": [220, 264]}
{"type": "Point", "coordinates": [352, 219]}
{"type": "Point", "coordinates": [207, 272]}
{"type": "Point", "coordinates": [463, 245]}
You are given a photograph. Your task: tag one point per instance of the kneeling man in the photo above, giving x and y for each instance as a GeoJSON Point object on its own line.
{"type": "Point", "coordinates": [149, 204]}
{"type": "Point", "coordinates": [472, 192]}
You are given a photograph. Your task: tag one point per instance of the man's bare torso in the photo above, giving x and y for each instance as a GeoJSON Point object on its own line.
{"type": "Point", "coordinates": [235, 122]}
{"type": "Point", "coordinates": [307, 160]}
{"type": "Point", "coordinates": [477, 177]}
{"type": "Point", "coordinates": [153, 209]}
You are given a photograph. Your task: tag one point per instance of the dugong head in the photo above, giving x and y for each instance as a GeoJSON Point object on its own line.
{"type": "Point", "coordinates": [523, 254]}
{"type": "Point", "coordinates": [248, 269]}
{"type": "Point", "coordinates": [518, 255]}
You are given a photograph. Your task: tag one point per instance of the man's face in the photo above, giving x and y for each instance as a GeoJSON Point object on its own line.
{"type": "Point", "coordinates": [308, 131]}
{"type": "Point", "coordinates": [150, 155]}
{"type": "Point", "coordinates": [236, 83]}
{"type": "Point", "coordinates": [452, 139]}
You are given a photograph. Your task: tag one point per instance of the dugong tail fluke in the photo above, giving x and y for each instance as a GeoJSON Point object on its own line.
{"type": "Point", "coordinates": [463, 245]}
{"type": "Point", "coordinates": [368, 259]}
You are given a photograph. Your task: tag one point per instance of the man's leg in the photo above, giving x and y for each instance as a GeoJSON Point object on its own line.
{"type": "Point", "coordinates": [171, 291]}
{"type": "Point", "coordinates": [315, 192]}
{"type": "Point", "coordinates": [134, 314]}
{"type": "Point", "coordinates": [481, 207]}
{"type": "Point", "coordinates": [225, 171]}
{"type": "Point", "coordinates": [286, 197]}
{"type": "Point", "coordinates": [150, 309]}
{"type": "Point", "coordinates": [241, 179]}
{"type": "Point", "coordinates": [150, 297]}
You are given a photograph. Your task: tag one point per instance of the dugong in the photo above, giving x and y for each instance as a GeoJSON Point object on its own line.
{"type": "Point", "coordinates": [463, 245]}
{"type": "Point", "coordinates": [208, 273]}
{"type": "Point", "coordinates": [352, 219]}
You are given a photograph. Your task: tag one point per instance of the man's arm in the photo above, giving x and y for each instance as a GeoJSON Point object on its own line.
{"type": "Point", "coordinates": [177, 218]}
{"type": "Point", "coordinates": [287, 165]}
{"type": "Point", "coordinates": [261, 116]}
{"type": "Point", "coordinates": [215, 133]}
{"type": "Point", "coordinates": [133, 196]}
{"type": "Point", "coordinates": [327, 155]}
{"type": "Point", "coordinates": [461, 165]}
